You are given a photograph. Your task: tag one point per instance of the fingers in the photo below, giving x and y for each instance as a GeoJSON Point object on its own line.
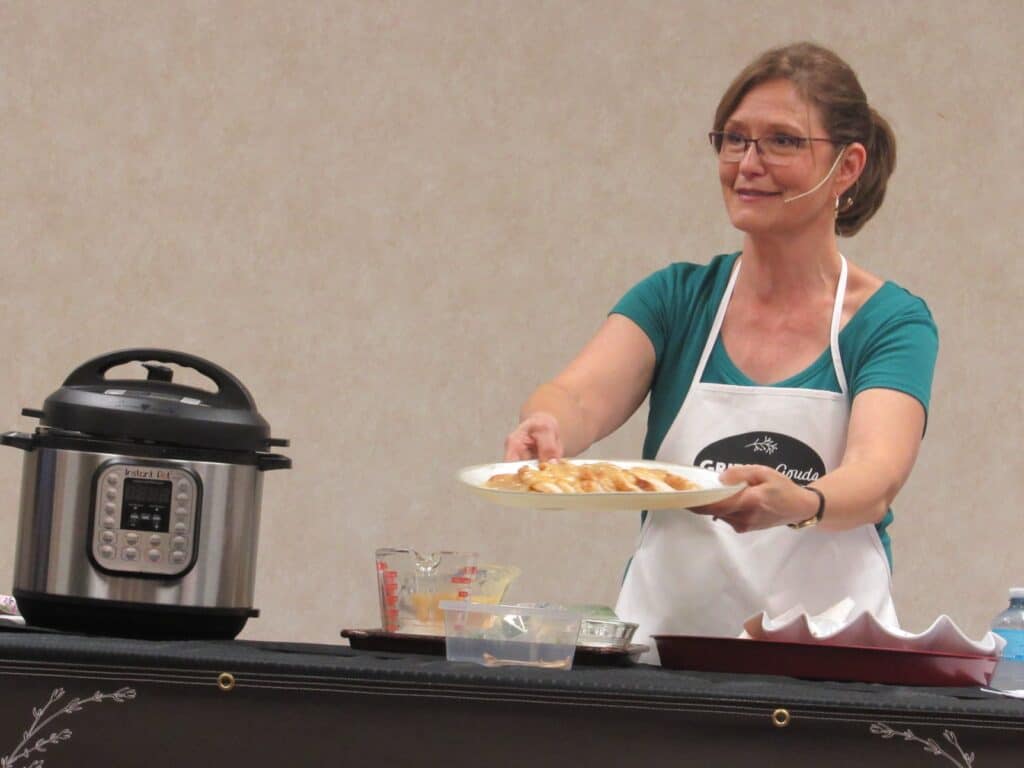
{"type": "Point", "coordinates": [737, 519]}
{"type": "Point", "coordinates": [549, 445]}
{"type": "Point", "coordinates": [762, 504]}
{"type": "Point", "coordinates": [736, 511]}
{"type": "Point", "coordinates": [517, 450]}
{"type": "Point", "coordinates": [536, 437]}
{"type": "Point", "coordinates": [738, 523]}
{"type": "Point", "coordinates": [519, 446]}
{"type": "Point", "coordinates": [751, 474]}
{"type": "Point", "coordinates": [740, 520]}
{"type": "Point", "coordinates": [714, 510]}
{"type": "Point", "coordinates": [730, 506]}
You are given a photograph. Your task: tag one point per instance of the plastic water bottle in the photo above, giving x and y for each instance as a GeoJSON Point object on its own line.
{"type": "Point", "coordinates": [1009, 675]}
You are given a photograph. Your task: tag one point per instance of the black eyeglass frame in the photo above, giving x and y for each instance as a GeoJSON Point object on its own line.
{"type": "Point", "coordinates": [747, 141]}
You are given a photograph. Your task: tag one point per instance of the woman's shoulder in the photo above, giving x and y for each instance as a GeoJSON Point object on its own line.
{"type": "Point", "coordinates": [891, 342]}
{"type": "Point", "coordinates": [690, 279]}
{"type": "Point", "coordinates": [670, 300]}
{"type": "Point", "coordinates": [718, 265]}
{"type": "Point", "coordinates": [890, 316]}
{"type": "Point", "coordinates": [876, 298]}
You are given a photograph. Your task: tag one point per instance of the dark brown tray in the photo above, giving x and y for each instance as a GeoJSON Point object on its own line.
{"type": "Point", "coordinates": [434, 645]}
{"type": "Point", "coordinates": [813, 661]}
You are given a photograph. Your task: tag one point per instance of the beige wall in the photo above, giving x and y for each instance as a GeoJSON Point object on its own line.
{"type": "Point", "coordinates": [392, 219]}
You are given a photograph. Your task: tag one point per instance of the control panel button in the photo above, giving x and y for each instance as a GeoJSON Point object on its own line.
{"type": "Point", "coordinates": [144, 518]}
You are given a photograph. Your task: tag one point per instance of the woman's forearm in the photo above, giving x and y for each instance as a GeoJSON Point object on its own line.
{"type": "Point", "coordinates": [575, 425]}
{"type": "Point", "coordinates": [882, 445]}
{"type": "Point", "coordinates": [595, 394]}
{"type": "Point", "coordinates": [855, 494]}
{"type": "Point", "coordinates": [883, 437]}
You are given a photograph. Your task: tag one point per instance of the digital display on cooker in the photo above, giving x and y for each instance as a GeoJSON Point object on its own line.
{"type": "Point", "coordinates": [146, 505]}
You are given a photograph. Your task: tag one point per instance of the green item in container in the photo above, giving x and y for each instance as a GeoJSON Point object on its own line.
{"type": "Point", "coordinates": [594, 611]}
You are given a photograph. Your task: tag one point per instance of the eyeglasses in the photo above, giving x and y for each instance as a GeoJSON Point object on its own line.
{"type": "Point", "coordinates": [777, 149]}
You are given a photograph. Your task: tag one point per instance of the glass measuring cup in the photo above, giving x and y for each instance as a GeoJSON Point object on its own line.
{"type": "Point", "coordinates": [410, 585]}
{"type": "Point", "coordinates": [492, 582]}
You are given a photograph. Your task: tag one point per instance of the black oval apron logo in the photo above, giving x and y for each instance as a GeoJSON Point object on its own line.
{"type": "Point", "coordinates": [787, 455]}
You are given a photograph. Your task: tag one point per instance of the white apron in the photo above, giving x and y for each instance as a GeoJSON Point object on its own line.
{"type": "Point", "coordinates": [692, 575]}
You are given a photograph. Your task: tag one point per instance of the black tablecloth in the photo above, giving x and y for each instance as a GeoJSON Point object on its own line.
{"type": "Point", "coordinates": [359, 705]}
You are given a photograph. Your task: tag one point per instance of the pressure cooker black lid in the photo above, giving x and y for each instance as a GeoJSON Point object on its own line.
{"type": "Point", "coordinates": [156, 409]}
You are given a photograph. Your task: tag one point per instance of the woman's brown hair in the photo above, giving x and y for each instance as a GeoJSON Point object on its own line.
{"type": "Point", "coordinates": [827, 82]}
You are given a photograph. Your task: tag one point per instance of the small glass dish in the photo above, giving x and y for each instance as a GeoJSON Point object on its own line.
{"type": "Point", "coordinates": [606, 633]}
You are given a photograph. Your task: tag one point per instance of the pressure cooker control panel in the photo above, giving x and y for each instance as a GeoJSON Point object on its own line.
{"type": "Point", "coordinates": [145, 519]}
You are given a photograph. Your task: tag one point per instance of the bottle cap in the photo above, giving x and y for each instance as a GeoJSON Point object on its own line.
{"type": "Point", "coordinates": [1016, 592]}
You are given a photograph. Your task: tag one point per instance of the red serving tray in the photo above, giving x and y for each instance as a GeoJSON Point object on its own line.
{"type": "Point", "coordinates": [814, 661]}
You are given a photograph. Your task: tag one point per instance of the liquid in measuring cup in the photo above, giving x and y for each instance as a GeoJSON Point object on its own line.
{"type": "Point", "coordinates": [411, 585]}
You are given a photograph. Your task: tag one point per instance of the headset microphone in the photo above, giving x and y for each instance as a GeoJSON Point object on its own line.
{"type": "Point", "coordinates": [817, 186]}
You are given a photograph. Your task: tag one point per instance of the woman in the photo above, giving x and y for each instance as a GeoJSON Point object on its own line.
{"type": "Point", "coordinates": [783, 366]}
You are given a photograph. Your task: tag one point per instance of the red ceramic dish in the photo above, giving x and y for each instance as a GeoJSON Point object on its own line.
{"type": "Point", "coordinates": [814, 661]}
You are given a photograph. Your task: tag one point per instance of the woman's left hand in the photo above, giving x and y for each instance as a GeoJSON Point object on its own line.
{"type": "Point", "coordinates": [770, 499]}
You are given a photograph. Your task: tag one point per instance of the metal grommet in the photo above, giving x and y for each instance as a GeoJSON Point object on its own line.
{"type": "Point", "coordinates": [225, 681]}
{"type": "Point", "coordinates": [780, 718]}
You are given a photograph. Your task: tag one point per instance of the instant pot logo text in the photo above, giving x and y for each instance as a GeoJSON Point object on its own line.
{"type": "Point", "coordinates": [786, 455]}
{"type": "Point", "coordinates": [147, 473]}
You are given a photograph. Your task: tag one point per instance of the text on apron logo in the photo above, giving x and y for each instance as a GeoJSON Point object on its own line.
{"type": "Point", "coordinates": [783, 453]}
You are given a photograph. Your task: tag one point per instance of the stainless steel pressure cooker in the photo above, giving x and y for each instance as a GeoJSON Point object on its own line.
{"type": "Point", "coordinates": [140, 501]}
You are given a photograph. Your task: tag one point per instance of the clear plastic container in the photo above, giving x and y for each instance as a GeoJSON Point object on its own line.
{"type": "Point", "coordinates": [510, 635]}
{"type": "Point", "coordinates": [1009, 674]}
{"type": "Point", "coordinates": [411, 585]}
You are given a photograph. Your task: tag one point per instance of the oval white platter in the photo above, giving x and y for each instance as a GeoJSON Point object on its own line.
{"type": "Point", "coordinates": [711, 488]}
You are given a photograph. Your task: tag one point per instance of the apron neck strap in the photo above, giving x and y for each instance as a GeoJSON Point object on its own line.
{"type": "Point", "coordinates": [837, 315]}
{"type": "Point", "coordinates": [716, 326]}
{"type": "Point", "coordinates": [837, 318]}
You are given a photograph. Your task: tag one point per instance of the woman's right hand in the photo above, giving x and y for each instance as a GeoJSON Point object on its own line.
{"type": "Point", "coordinates": [537, 437]}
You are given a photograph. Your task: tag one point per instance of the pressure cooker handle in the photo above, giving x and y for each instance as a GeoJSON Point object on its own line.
{"type": "Point", "coordinates": [230, 391]}
{"type": "Point", "coordinates": [266, 462]}
{"type": "Point", "coordinates": [18, 440]}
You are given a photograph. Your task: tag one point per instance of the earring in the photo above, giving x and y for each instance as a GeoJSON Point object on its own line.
{"type": "Point", "coordinates": [837, 205]}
